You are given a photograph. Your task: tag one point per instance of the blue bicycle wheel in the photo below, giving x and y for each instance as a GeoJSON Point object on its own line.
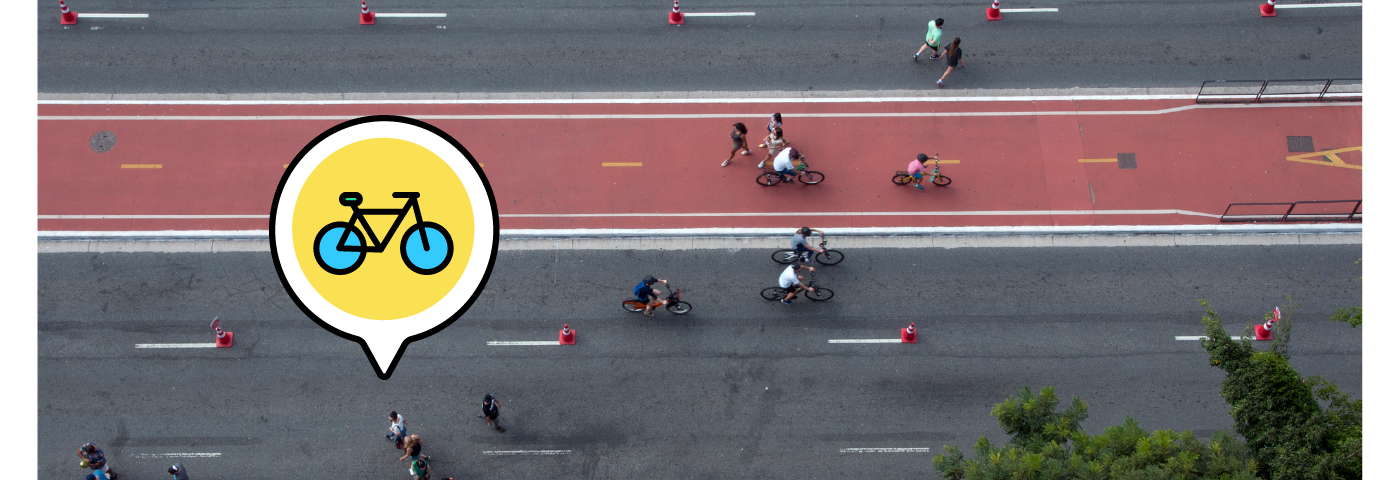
{"type": "Point", "coordinates": [430, 260]}
{"type": "Point", "coordinates": [331, 258]}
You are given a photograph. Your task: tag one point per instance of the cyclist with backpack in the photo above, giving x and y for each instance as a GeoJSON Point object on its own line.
{"type": "Point", "coordinates": [646, 294]}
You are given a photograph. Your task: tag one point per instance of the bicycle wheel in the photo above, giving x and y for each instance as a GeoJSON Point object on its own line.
{"type": "Point", "coordinates": [332, 259]}
{"type": "Point", "coordinates": [633, 305]}
{"type": "Point", "coordinates": [902, 178]}
{"type": "Point", "coordinates": [821, 294]}
{"type": "Point", "coordinates": [830, 257]}
{"type": "Point", "coordinates": [941, 180]}
{"type": "Point", "coordinates": [785, 256]}
{"type": "Point", "coordinates": [678, 307]}
{"type": "Point", "coordinates": [430, 260]}
{"type": "Point", "coordinates": [773, 293]}
{"type": "Point", "coordinates": [769, 179]}
{"type": "Point", "coordinates": [811, 177]}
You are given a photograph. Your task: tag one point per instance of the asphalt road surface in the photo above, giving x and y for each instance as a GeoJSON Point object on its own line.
{"type": "Point", "coordinates": [319, 46]}
{"type": "Point", "coordinates": [739, 388]}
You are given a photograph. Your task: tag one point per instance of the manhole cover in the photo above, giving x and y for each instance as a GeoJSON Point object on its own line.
{"type": "Point", "coordinates": [1300, 144]}
{"type": "Point", "coordinates": [1127, 161]}
{"type": "Point", "coordinates": [102, 141]}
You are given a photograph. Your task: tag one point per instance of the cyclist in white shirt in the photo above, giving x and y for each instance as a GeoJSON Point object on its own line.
{"type": "Point", "coordinates": [783, 163]}
{"type": "Point", "coordinates": [790, 281]}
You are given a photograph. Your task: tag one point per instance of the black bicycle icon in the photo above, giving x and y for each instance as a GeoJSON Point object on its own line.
{"type": "Point", "coordinates": [340, 247]}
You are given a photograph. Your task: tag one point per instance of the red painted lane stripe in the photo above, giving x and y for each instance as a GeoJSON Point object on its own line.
{"type": "Point", "coordinates": [1199, 160]}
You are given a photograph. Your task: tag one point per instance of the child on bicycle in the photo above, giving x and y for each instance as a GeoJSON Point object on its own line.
{"type": "Point", "coordinates": [646, 294]}
{"type": "Point", "coordinates": [917, 168]}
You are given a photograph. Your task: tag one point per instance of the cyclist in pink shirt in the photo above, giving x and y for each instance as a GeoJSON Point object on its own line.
{"type": "Point", "coordinates": [916, 169]}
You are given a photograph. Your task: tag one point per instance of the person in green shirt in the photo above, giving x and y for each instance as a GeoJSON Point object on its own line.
{"type": "Point", "coordinates": [935, 30]}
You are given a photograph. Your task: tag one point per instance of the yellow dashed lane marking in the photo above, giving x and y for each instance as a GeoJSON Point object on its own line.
{"type": "Point", "coordinates": [140, 165]}
{"type": "Point", "coordinates": [1331, 155]}
{"type": "Point", "coordinates": [612, 164]}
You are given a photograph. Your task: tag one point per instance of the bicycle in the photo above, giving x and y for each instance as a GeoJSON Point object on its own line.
{"type": "Point", "coordinates": [340, 247]}
{"type": "Point", "coordinates": [936, 178]}
{"type": "Point", "coordinates": [829, 257]}
{"type": "Point", "coordinates": [817, 294]}
{"type": "Point", "coordinates": [673, 303]}
{"type": "Point", "coordinates": [811, 177]}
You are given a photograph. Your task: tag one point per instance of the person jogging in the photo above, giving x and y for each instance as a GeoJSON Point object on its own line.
{"type": "Point", "coordinates": [954, 54]}
{"type": "Point", "coordinates": [935, 31]}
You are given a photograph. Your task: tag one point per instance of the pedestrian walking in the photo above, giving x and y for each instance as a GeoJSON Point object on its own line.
{"type": "Point", "coordinates": [740, 139]}
{"type": "Point", "coordinates": [93, 458]}
{"type": "Point", "coordinates": [397, 430]}
{"type": "Point", "coordinates": [935, 31]}
{"type": "Point", "coordinates": [420, 470]}
{"type": "Point", "coordinates": [491, 410]}
{"type": "Point", "coordinates": [774, 142]}
{"type": "Point", "coordinates": [954, 54]}
{"type": "Point", "coordinates": [775, 121]}
{"type": "Point", "coordinates": [177, 472]}
{"type": "Point", "coordinates": [413, 448]}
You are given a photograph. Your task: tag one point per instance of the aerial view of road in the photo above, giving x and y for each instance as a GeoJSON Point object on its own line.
{"type": "Point", "coordinates": [1083, 194]}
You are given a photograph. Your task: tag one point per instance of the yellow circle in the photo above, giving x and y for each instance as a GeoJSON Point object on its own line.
{"type": "Point", "coordinates": [383, 287]}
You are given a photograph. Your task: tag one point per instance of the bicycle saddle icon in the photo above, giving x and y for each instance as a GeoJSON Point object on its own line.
{"type": "Point", "coordinates": [340, 247]}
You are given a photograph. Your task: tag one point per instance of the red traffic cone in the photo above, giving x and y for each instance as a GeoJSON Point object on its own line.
{"type": "Point", "coordinates": [68, 18]}
{"type": "Point", "coordinates": [1266, 331]}
{"type": "Point", "coordinates": [994, 13]}
{"type": "Point", "coordinates": [566, 336]}
{"type": "Point", "coordinates": [677, 17]}
{"type": "Point", "coordinates": [366, 16]}
{"type": "Point", "coordinates": [1267, 10]}
{"type": "Point", "coordinates": [909, 335]}
{"type": "Point", "coordinates": [222, 339]}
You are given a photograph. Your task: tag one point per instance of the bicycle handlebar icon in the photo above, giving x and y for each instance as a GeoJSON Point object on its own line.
{"type": "Point", "coordinates": [340, 247]}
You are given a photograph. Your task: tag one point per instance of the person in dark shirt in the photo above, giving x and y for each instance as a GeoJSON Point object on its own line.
{"type": "Point", "coordinates": [954, 56]}
{"type": "Point", "coordinates": [490, 409]}
{"type": "Point", "coordinates": [94, 459]}
{"type": "Point", "coordinates": [646, 294]}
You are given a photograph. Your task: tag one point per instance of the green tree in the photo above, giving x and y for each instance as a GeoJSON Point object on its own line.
{"type": "Point", "coordinates": [1282, 416]}
{"type": "Point", "coordinates": [1050, 445]}
{"type": "Point", "coordinates": [1351, 315]}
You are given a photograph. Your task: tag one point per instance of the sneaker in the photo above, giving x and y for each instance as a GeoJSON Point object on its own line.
{"type": "Point", "coordinates": [725, 163]}
{"type": "Point", "coordinates": [761, 162]}
{"type": "Point", "coordinates": [916, 57]}
{"type": "Point", "coordinates": [746, 152]}
{"type": "Point", "coordinates": [940, 84]}
{"type": "Point", "coordinates": [934, 57]}
{"type": "Point", "coordinates": [921, 187]}
{"type": "Point", "coordinates": [648, 312]}
{"type": "Point", "coordinates": [789, 302]}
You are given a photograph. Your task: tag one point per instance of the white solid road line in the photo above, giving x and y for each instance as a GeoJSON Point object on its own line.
{"type": "Point", "coordinates": [720, 14]}
{"type": "Point", "coordinates": [1029, 10]}
{"type": "Point", "coordinates": [1320, 5]}
{"type": "Point", "coordinates": [113, 15]}
{"type": "Point", "coordinates": [886, 450]}
{"type": "Point", "coordinates": [1198, 337]}
{"type": "Point", "coordinates": [864, 340]}
{"type": "Point", "coordinates": [175, 345]}
{"type": "Point", "coordinates": [177, 455]}
{"type": "Point", "coordinates": [675, 116]}
{"type": "Point", "coordinates": [542, 342]}
{"type": "Point", "coordinates": [717, 214]}
{"type": "Point", "coordinates": [526, 452]}
{"type": "Point", "coordinates": [409, 15]}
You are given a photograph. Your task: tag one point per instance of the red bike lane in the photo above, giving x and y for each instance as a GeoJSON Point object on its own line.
{"type": "Point", "coordinates": [640, 165]}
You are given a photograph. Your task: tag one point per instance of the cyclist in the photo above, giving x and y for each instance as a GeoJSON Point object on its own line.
{"type": "Point", "coordinates": [799, 243]}
{"type": "Point", "coordinates": [646, 294]}
{"type": "Point", "coordinates": [783, 162]}
{"type": "Point", "coordinates": [918, 167]}
{"type": "Point", "coordinates": [790, 281]}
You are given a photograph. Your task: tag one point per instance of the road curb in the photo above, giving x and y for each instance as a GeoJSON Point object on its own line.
{"type": "Point", "coordinates": [213, 241]}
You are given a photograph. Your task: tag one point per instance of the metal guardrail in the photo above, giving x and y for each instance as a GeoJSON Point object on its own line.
{"type": "Point", "coordinates": [1293, 214]}
{"type": "Point", "coordinates": [1259, 91]}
